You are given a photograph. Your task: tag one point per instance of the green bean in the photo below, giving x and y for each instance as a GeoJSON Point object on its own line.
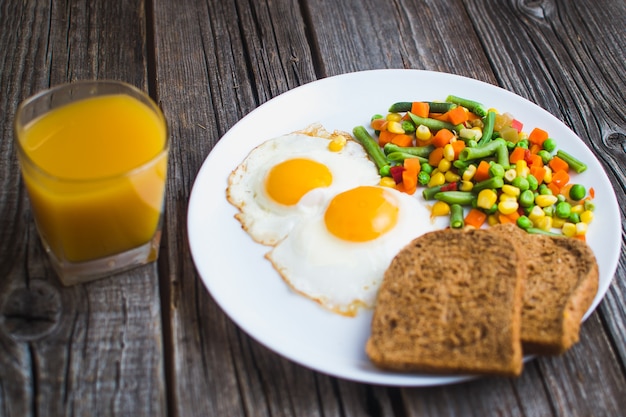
{"type": "Point", "coordinates": [429, 192]}
{"type": "Point", "coordinates": [484, 151]}
{"type": "Point", "coordinates": [400, 107]}
{"type": "Point", "coordinates": [495, 182]}
{"type": "Point", "coordinates": [576, 164]}
{"type": "Point", "coordinates": [538, 231]}
{"type": "Point", "coordinates": [489, 121]}
{"type": "Point", "coordinates": [432, 124]}
{"type": "Point", "coordinates": [456, 216]}
{"type": "Point", "coordinates": [440, 106]}
{"type": "Point", "coordinates": [463, 198]}
{"type": "Point", "coordinates": [401, 156]}
{"type": "Point", "coordinates": [475, 107]}
{"type": "Point", "coordinates": [422, 151]}
{"type": "Point", "coordinates": [371, 147]}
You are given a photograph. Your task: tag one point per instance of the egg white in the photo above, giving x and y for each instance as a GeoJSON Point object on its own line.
{"type": "Point", "coordinates": [340, 275]}
{"type": "Point", "coordinates": [268, 222]}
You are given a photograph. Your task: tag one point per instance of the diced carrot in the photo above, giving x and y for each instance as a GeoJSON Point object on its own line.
{"type": "Point", "coordinates": [435, 157]}
{"type": "Point", "coordinates": [413, 165]}
{"type": "Point", "coordinates": [538, 172]}
{"type": "Point", "coordinates": [472, 116]}
{"type": "Point", "coordinates": [592, 192]}
{"type": "Point", "coordinates": [580, 237]}
{"type": "Point", "coordinates": [560, 178]}
{"type": "Point", "coordinates": [475, 218]}
{"type": "Point", "coordinates": [385, 137]}
{"type": "Point", "coordinates": [557, 164]}
{"type": "Point", "coordinates": [537, 136]}
{"type": "Point", "coordinates": [439, 116]}
{"type": "Point", "coordinates": [379, 124]}
{"type": "Point", "coordinates": [535, 160]}
{"type": "Point", "coordinates": [409, 181]}
{"type": "Point", "coordinates": [534, 148]}
{"type": "Point", "coordinates": [554, 188]}
{"type": "Point", "coordinates": [457, 115]}
{"type": "Point", "coordinates": [402, 140]}
{"type": "Point", "coordinates": [442, 138]}
{"type": "Point", "coordinates": [482, 171]}
{"type": "Point", "coordinates": [420, 108]}
{"type": "Point", "coordinates": [508, 218]}
{"type": "Point", "coordinates": [458, 146]}
{"type": "Point", "coordinates": [517, 154]}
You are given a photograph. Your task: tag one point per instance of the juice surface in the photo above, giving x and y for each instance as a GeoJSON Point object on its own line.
{"type": "Point", "coordinates": [96, 141]}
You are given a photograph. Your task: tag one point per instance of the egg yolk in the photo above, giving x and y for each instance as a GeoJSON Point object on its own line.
{"type": "Point", "coordinates": [361, 214]}
{"type": "Point", "coordinates": [288, 181]}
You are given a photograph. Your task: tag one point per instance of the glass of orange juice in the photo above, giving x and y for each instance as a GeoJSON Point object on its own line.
{"type": "Point", "coordinates": [93, 156]}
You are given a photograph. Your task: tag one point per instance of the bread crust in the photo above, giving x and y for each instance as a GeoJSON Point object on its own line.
{"type": "Point", "coordinates": [451, 302]}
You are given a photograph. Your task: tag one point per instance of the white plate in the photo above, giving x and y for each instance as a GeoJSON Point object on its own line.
{"type": "Point", "coordinates": [254, 296]}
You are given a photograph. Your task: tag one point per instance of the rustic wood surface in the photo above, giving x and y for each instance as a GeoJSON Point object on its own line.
{"type": "Point", "coordinates": [152, 341]}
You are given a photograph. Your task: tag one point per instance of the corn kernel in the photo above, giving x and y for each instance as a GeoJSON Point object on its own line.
{"type": "Point", "coordinates": [337, 143]}
{"type": "Point", "coordinates": [511, 190]}
{"type": "Point", "coordinates": [508, 206]}
{"type": "Point", "coordinates": [438, 178]}
{"type": "Point", "coordinates": [465, 185]}
{"type": "Point", "coordinates": [586, 216]}
{"type": "Point", "coordinates": [507, 197]}
{"type": "Point", "coordinates": [393, 117]}
{"type": "Point", "coordinates": [581, 228]}
{"type": "Point", "coordinates": [535, 214]}
{"type": "Point", "coordinates": [451, 176]}
{"type": "Point", "coordinates": [395, 127]}
{"type": "Point", "coordinates": [510, 175]}
{"type": "Point", "coordinates": [387, 182]}
{"type": "Point", "coordinates": [492, 220]}
{"type": "Point", "coordinates": [522, 136]}
{"type": "Point", "coordinates": [440, 208]}
{"type": "Point", "coordinates": [521, 168]}
{"type": "Point", "coordinates": [493, 110]}
{"type": "Point", "coordinates": [545, 223]}
{"type": "Point", "coordinates": [448, 153]}
{"type": "Point", "coordinates": [468, 174]}
{"type": "Point", "coordinates": [558, 222]}
{"type": "Point", "coordinates": [547, 177]}
{"type": "Point", "coordinates": [444, 165]}
{"type": "Point", "coordinates": [423, 133]}
{"type": "Point", "coordinates": [569, 229]}
{"type": "Point", "coordinates": [577, 208]}
{"type": "Point", "coordinates": [486, 199]}
{"type": "Point", "coordinates": [545, 200]}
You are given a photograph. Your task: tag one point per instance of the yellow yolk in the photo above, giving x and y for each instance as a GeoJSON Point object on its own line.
{"type": "Point", "coordinates": [288, 181]}
{"type": "Point", "coordinates": [361, 214]}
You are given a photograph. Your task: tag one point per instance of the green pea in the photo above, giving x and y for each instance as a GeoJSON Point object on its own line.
{"type": "Point", "coordinates": [510, 145]}
{"type": "Point", "coordinates": [521, 183]}
{"type": "Point", "coordinates": [560, 198]}
{"type": "Point", "coordinates": [522, 144]}
{"type": "Point", "coordinates": [527, 198]}
{"type": "Point", "coordinates": [549, 144]}
{"type": "Point", "coordinates": [493, 209]}
{"type": "Point", "coordinates": [533, 184]}
{"type": "Point", "coordinates": [574, 218]}
{"type": "Point", "coordinates": [427, 168]}
{"type": "Point", "coordinates": [423, 177]}
{"type": "Point", "coordinates": [544, 190]}
{"type": "Point", "coordinates": [563, 210]}
{"type": "Point", "coordinates": [385, 171]}
{"type": "Point", "coordinates": [524, 222]}
{"type": "Point", "coordinates": [496, 171]}
{"type": "Point", "coordinates": [549, 211]}
{"type": "Point", "coordinates": [408, 127]}
{"type": "Point", "coordinates": [588, 205]}
{"type": "Point", "coordinates": [577, 192]}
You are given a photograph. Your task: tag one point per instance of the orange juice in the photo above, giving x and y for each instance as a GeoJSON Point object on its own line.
{"type": "Point", "coordinates": [95, 171]}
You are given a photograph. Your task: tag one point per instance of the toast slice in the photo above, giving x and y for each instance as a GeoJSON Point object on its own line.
{"type": "Point", "coordinates": [450, 302]}
{"type": "Point", "coordinates": [560, 285]}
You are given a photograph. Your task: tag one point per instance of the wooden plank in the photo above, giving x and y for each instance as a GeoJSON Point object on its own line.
{"type": "Point", "coordinates": [86, 349]}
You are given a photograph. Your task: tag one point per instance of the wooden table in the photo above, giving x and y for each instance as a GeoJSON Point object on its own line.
{"type": "Point", "coordinates": [152, 341]}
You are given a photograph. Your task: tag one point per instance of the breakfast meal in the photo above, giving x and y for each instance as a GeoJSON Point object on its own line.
{"type": "Point", "coordinates": [510, 274]}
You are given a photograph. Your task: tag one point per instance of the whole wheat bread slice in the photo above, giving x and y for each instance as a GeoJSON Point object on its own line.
{"type": "Point", "coordinates": [450, 302]}
{"type": "Point", "coordinates": [560, 285]}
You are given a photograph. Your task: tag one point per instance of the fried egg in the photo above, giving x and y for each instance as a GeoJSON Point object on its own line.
{"type": "Point", "coordinates": [339, 256]}
{"type": "Point", "coordinates": [292, 177]}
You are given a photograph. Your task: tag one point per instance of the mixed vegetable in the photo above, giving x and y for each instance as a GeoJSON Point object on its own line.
{"type": "Point", "coordinates": [478, 166]}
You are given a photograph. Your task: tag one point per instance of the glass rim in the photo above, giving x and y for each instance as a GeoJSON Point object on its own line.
{"type": "Point", "coordinates": [25, 158]}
